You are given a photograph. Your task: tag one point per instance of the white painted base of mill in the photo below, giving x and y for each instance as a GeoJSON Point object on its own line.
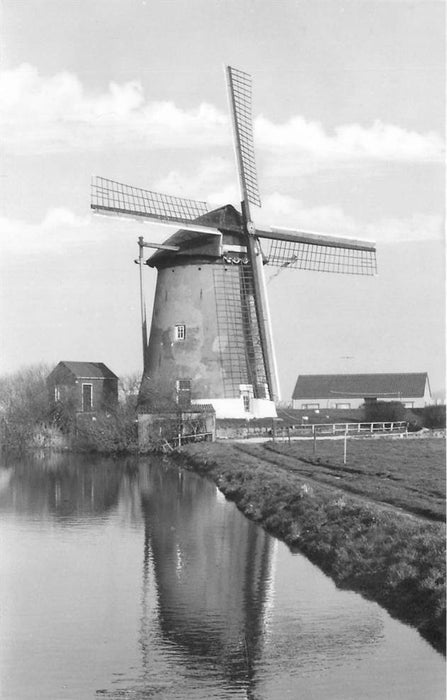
{"type": "Point", "coordinates": [234, 408]}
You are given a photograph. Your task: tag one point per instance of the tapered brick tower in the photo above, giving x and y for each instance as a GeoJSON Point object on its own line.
{"type": "Point", "coordinates": [204, 344]}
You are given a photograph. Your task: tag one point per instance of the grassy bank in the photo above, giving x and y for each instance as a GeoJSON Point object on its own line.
{"type": "Point", "coordinates": [408, 474]}
{"type": "Point", "coordinates": [389, 555]}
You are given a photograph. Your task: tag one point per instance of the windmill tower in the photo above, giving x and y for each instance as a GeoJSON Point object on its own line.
{"type": "Point", "coordinates": [211, 337]}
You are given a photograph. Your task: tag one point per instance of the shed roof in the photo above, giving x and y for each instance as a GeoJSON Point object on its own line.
{"type": "Point", "coordinates": [386, 386]}
{"type": "Point", "coordinates": [89, 370]}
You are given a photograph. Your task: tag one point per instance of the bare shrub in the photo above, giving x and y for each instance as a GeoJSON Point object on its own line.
{"type": "Point", "coordinates": [24, 404]}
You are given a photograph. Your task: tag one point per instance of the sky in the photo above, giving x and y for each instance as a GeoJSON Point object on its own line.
{"type": "Point", "coordinates": [349, 124]}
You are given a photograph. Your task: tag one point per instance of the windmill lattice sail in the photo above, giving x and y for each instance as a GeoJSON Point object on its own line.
{"type": "Point", "coordinates": [112, 197]}
{"type": "Point", "coordinates": [300, 255]}
{"type": "Point", "coordinates": [239, 85]}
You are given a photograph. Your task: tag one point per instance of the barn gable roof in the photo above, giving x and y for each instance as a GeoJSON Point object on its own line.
{"type": "Point", "coordinates": [386, 386]}
{"type": "Point", "coordinates": [88, 370]}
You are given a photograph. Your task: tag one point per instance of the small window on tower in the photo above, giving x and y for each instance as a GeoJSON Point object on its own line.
{"type": "Point", "coordinates": [180, 332]}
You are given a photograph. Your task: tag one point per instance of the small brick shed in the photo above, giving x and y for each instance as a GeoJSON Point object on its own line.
{"type": "Point", "coordinates": [89, 386]}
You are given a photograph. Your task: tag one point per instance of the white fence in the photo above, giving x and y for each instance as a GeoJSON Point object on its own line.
{"type": "Point", "coordinates": [340, 429]}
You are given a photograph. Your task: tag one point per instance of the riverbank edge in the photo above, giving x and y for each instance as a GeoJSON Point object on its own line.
{"type": "Point", "coordinates": [388, 557]}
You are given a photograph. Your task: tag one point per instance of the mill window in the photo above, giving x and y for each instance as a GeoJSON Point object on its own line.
{"type": "Point", "coordinates": [180, 331]}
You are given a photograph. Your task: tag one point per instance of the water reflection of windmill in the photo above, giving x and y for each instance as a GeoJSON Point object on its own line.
{"type": "Point", "coordinates": [211, 574]}
{"type": "Point", "coordinates": [211, 335]}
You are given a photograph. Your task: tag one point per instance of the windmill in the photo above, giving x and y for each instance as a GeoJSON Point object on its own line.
{"type": "Point", "coordinates": [211, 334]}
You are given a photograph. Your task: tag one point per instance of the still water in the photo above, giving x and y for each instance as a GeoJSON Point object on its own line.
{"type": "Point", "coordinates": [135, 579]}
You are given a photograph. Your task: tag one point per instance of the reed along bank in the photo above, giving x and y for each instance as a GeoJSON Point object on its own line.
{"type": "Point", "coordinates": [375, 525]}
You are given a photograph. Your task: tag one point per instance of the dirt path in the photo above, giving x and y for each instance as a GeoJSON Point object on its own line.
{"type": "Point", "coordinates": [306, 470]}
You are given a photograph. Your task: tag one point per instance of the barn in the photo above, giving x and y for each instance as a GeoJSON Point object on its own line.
{"type": "Point", "coordinates": [344, 391]}
{"type": "Point", "coordinates": [85, 386]}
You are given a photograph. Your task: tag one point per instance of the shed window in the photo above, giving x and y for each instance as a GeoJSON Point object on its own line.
{"type": "Point", "coordinates": [311, 405]}
{"type": "Point", "coordinates": [57, 393]}
{"type": "Point", "coordinates": [180, 331]}
{"type": "Point", "coordinates": [342, 405]}
{"type": "Point", "coordinates": [87, 397]}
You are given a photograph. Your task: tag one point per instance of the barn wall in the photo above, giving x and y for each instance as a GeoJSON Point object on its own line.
{"type": "Point", "coordinates": [327, 402]}
{"type": "Point", "coordinates": [62, 376]}
{"type": "Point", "coordinates": [354, 403]}
{"type": "Point", "coordinates": [109, 398]}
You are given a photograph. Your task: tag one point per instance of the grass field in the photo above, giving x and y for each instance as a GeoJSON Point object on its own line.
{"type": "Point", "coordinates": [373, 525]}
{"type": "Point", "coordinates": [409, 474]}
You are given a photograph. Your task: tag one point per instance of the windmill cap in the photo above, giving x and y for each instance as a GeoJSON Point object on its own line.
{"type": "Point", "coordinates": [199, 244]}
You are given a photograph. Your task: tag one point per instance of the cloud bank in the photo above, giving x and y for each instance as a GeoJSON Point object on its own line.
{"type": "Point", "coordinates": [56, 114]}
{"type": "Point", "coordinates": [60, 232]}
{"type": "Point", "coordinates": [280, 210]}
{"type": "Point", "coordinates": [349, 142]}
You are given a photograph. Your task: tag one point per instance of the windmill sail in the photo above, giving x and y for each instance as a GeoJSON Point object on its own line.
{"type": "Point", "coordinates": [110, 197]}
{"type": "Point", "coordinates": [239, 91]}
{"type": "Point", "coordinates": [310, 251]}
{"type": "Point", "coordinates": [239, 87]}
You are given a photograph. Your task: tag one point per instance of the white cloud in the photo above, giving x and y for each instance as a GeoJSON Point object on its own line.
{"type": "Point", "coordinates": [279, 210]}
{"type": "Point", "coordinates": [55, 114]}
{"type": "Point", "coordinates": [209, 181]}
{"type": "Point", "coordinates": [351, 142]}
{"type": "Point", "coordinates": [61, 232]}
{"type": "Point", "coordinates": [41, 114]}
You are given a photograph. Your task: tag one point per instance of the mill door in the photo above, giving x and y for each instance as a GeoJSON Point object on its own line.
{"type": "Point", "coordinates": [246, 394]}
{"type": "Point", "coordinates": [87, 402]}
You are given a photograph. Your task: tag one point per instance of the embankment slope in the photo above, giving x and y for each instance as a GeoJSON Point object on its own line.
{"type": "Point", "coordinates": [388, 553]}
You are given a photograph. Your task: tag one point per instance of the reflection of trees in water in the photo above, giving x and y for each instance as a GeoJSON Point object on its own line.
{"type": "Point", "coordinates": [211, 572]}
{"type": "Point", "coordinates": [64, 485]}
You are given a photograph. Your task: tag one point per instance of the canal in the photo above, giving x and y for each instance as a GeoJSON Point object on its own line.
{"type": "Point", "coordinates": [132, 578]}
